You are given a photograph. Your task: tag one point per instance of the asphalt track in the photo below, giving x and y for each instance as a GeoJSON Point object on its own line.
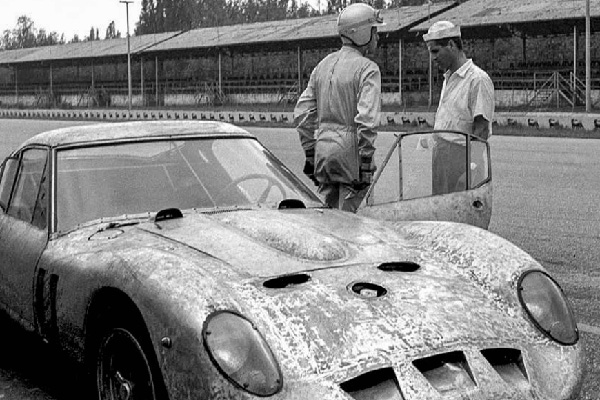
{"type": "Point", "coordinates": [546, 194]}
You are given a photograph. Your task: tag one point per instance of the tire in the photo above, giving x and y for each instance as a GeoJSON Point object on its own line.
{"type": "Point", "coordinates": [124, 367]}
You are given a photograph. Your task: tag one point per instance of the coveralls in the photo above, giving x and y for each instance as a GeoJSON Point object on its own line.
{"type": "Point", "coordinates": [466, 93]}
{"type": "Point", "coordinates": [336, 117]}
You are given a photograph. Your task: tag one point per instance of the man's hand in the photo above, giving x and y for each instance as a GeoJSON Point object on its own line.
{"type": "Point", "coordinates": [309, 169]}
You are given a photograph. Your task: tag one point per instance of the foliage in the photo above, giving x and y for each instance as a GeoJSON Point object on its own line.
{"type": "Point", "coordinates": [26, 35]}
{"type": "Point", "coordinates": [112, 32]}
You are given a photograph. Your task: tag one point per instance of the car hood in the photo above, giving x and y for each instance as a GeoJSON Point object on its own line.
{"type": "Point", "coordinates": [326, 287]}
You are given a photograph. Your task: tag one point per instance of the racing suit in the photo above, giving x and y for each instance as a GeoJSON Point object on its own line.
{"type": "Point", "coordinates": [336, 117]}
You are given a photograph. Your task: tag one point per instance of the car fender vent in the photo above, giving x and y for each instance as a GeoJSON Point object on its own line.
{"type": "Point", "coordinates": [379, 384]}
{"type": "Point", "coordinates": [447, 373]}
{"type": "Point", "coordinates": [399, 266]}
{"type": "Point", "coordinates": [508, 363]}
{"type": "Point", "coordinates": [282, 282]}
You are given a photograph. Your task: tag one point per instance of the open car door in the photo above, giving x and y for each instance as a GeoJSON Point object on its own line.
{"type": "Point", "coordinates": [431, 175]}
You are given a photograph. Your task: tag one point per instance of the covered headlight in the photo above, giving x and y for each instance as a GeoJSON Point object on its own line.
{"type": "Point", "coordinates": [547, 307]}
{"type": "Point", "coordinates": [241, 354]}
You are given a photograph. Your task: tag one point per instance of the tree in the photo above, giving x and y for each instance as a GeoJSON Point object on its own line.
{"type": "Point", "coordinates": [94, 35]}
{"type": "Point", "coordinates": [112, 32]}
{"type": "Point", "coordinates": [25, 35]}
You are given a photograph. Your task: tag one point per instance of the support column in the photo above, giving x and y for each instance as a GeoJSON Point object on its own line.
{"type": "Point", "coordinates": [574, 80]}
{"type": "Point", "coordinates": [156, 102]}
{"type": "Point", "coordinates": [400, 70]}
{"type": "Point", "coordinates": [300, 77]}
{"type": "Point", "coordinates": [220, 74]}
{"type": "Point", "coordinates": [16, 84]}
{"type": "Point", "coordinates": [51, 82]}
{"type": "Point", "coordinates": [142, 81]}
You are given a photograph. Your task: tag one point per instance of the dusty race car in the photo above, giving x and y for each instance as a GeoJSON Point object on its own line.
{"type": "Point", "coordinates": [182, 260]}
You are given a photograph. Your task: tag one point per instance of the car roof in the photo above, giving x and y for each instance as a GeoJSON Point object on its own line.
{"type": "Point", "coordinates": [108, 132]}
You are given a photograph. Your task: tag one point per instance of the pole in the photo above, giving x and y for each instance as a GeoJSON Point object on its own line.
{"type": "Point", "coordinates": [587, 58]}
{"type": "Point", "coordinates": [400, 71]}
{"type": "Point", "coordinates": [126, 2]}
{"type": "Point", "coordinates": [430, 102]}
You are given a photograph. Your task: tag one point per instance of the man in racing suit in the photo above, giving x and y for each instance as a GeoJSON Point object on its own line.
{"type": "Point", "coordinates": [466, 105]}
{"type": "Point", "coordinates": [338, 112]}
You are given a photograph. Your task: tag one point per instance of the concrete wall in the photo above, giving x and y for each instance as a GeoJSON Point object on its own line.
{"type": "Point", "coordinates": [504, 98]}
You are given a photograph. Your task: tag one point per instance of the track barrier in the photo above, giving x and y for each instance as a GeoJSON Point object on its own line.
{"type": "Point", "coordinates": [541, 120]}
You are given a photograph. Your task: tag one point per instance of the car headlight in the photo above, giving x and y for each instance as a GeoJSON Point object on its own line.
{"type": "Point", "coordinates": [241, 354]}
{"type": "Point", "coordinates": [547, 307]}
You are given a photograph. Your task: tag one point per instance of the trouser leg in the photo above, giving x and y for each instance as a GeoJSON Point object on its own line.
{"type": "Point", "coordinates": [351, 199]}
{"type": "Point", "coordinates": [341, 196]}
{"type": "Point", "coordinates": [449, 163]}
{"type": "Point", "coordinates": [330, 194]}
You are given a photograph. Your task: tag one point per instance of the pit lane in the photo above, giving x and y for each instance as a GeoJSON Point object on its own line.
{"type": "Point", "coordinates": [546, 193]}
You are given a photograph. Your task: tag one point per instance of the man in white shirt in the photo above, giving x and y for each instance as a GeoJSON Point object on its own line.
{"type": "Point", "coordinates": [466, 105]}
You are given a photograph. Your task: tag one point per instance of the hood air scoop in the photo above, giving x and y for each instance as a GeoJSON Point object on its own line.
{"type": "Point", "coordinates": [282, 282]}
{"type": "Point", "coordinates": [367, 290]}
{"type": "Point", "coordinates": [399, 266]}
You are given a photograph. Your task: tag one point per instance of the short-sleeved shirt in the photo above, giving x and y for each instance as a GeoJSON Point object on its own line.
{"type": "Point", "coordinates": [466, 93]}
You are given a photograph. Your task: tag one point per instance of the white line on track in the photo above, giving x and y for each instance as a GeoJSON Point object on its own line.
{"type": "Point", "coordinates": [589, 329]}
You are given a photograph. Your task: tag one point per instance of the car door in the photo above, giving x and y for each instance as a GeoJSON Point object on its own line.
{"type": "Point", "coordinates": [24, 199]}
{"type": "Point", "coordinates": [434, 176]}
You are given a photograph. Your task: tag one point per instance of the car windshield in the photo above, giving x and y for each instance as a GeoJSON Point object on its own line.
{"type": "Point", "coordinates": [206, 173]}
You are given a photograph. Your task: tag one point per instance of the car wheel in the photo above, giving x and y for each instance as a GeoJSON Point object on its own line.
{"type": "Point", "coordinates": [123, 368]}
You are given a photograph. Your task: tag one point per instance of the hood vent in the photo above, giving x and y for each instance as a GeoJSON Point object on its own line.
{"type": "Point", "coordinates": [282, 282]}
{"type": "Point", "coordinates": [379, 384]}
{"type": "Point", "coordinates": [399, 266]}
{"type": "Point", "coordinates": [508, 363]}
{"type": "Point", "coordinates": [367, 290]}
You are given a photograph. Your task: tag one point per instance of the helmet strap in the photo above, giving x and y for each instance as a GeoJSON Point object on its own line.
{"type": "Point", "coordinates": [355, 44]}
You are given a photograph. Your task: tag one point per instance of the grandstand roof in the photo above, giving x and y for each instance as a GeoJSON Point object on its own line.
{"type": "Point", "coordinates": [81, 50]}
{"type": "Point", "coordinates": [285, 34]}
{"type": "Point", "coordinates": [492, 18]}
{"type": "Point", "coordinates": [292, 32]}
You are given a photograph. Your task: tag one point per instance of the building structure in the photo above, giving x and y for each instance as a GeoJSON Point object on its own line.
{"type": "Point", "coordinates": [269, 62]}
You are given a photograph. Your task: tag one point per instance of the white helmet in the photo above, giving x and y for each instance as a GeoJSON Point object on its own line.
{"type": "Point", "coordinates": [355, 23]}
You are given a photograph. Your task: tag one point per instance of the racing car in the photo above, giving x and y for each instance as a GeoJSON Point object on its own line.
{"type": "Point", "coordinates": [182, 260]}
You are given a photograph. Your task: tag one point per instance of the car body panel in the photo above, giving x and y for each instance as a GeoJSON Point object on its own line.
{"type": "Point", "coordinates": [319, 329]}
{"type": "Point", "coordinates": [21, 245]}
{"type": "Point", "coordinates": [316, 283]}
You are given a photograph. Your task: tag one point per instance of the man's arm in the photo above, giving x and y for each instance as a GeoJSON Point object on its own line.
{"type": "Point", "coordinates": [306, 117]}
{"type": "Point", "coordinates": [368, 111]}
{"type": "Point", "coordinates": [481, 127]}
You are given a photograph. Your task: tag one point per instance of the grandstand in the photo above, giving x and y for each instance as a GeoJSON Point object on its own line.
{"type": "Point", "coordinates": [533, 50]}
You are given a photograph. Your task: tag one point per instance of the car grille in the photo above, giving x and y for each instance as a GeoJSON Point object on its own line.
{"type": "Point", "coordinates": [495, 372]}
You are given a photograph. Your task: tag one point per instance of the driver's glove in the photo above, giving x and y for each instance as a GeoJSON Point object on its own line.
{"type": "Point", "coordinates": [309, 167]}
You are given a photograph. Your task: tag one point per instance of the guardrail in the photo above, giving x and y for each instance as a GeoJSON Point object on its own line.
{"type": "Point", "coordinates": [395, 119]}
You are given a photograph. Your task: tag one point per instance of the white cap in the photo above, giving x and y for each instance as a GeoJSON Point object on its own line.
{"type": "Point", "coordinates": [442, 30]}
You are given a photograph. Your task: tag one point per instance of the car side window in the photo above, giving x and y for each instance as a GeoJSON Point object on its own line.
{"type": "Point", "coordinates": [7, 180]}
{"type": "Point", "coordinates": [29, 200]}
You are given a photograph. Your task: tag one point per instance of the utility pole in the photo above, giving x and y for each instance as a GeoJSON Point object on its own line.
{"type": "Point", "coordinates": [126, 2]}
{"type": "Point", "coordinates": [588, 80]}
